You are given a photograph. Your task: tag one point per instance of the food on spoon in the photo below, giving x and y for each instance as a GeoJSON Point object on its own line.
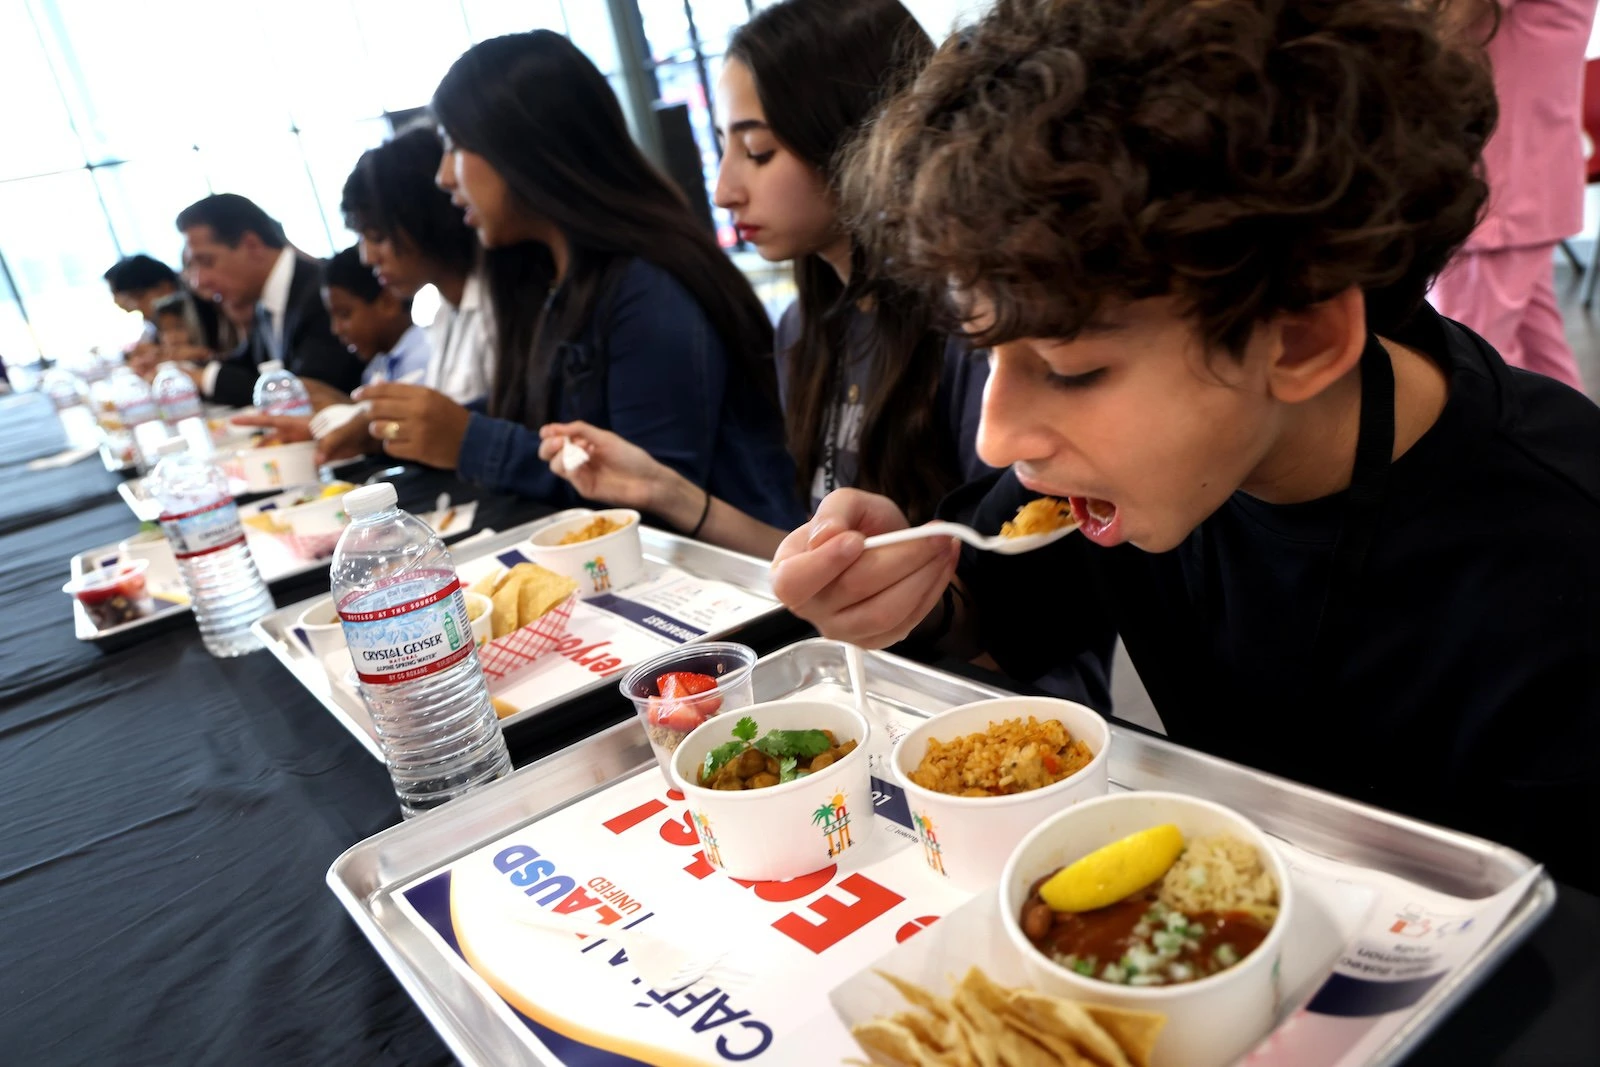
{"type": "Point", "coordinates": [1214, 905]}
{"type": "Point", "coordinates": [780, 756]}
{"type": "Point", "coordinates": [1008, 757]}
{"type": "Point", "coordinates": [1039, 517]}
{"type": "Point", "coordinates": [598, 526]}
{"type": "Point", "coordinates": [983, 1022]}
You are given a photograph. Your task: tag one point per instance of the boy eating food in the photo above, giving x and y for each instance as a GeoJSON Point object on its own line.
{"type": "Point", "coordinates": [373, 323]}
{"type": "Point", "coordinates": [1340, 538]}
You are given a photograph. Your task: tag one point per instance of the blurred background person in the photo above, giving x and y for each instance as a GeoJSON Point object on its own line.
{"type": "Point", "coordinates": [612, 303]}
{"type": "Point", "coordinates": [1502, 283]}
{"type": "Point", "coordinates": [874, 395]}
{"type": "Point", "coordinates": [240, 252]}
{"type": "Point", "coordinates": [372, 322]}
{"type": "Point", "coordinates": [413, 236]}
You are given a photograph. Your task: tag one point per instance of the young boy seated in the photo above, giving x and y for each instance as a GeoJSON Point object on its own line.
{"type": "Point", "coordinates": [1342, 541]}
{"type": "Point", "coordinates": [373, 323]}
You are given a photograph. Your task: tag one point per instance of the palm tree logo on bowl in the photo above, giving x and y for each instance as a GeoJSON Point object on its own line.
{"type": "Point", "coordinates": [834, 818]}
{"type": "Point", "coordinates": [599, 577]}
{"type": "Point", "coordinates": [931, 849]}
{"type": "Point", "coordinates": [708, 840]}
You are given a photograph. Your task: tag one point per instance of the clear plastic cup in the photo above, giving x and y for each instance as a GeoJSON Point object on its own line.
{"type": "Point", "coordinates": [115, 595]}
{"type": "Point", "coordinates": [667, 721]}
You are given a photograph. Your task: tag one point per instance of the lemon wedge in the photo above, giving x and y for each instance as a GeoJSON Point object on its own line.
{"type": "Point", "coordinates": [1114, 871]}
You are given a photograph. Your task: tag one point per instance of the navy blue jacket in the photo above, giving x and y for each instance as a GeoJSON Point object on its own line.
{"type": "Point", "coordinates": [649, 367]}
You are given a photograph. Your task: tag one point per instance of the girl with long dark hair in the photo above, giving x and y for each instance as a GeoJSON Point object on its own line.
{"type": "Point", "coordinates": [611, 304]}
{"type": "Point", "coordinates": [874, 395]}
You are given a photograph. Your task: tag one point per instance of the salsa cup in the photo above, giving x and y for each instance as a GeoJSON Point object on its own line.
{"type": "Point", "coordinates": [967, 839]}
{"type": "Point", "coordinates": [599, 565]}
{"type": "Point", "coordinates": [113, 595]}
{"type": "Point", "coordinates": [787, 830]}
{"type": "Point", "coordinates": [1210, 1021]}
{"type": "Point", "coordinates": [666, 724]}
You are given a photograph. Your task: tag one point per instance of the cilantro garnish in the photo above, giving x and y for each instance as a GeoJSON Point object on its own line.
{"type": "Point", "coordinates": [788, 747]}
{"type": "Point", "coordinates": [799, 743]}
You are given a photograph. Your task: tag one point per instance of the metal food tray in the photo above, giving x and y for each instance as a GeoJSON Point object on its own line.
{"type": "Point", "coordinates": [113, 461]}
{"type": "Point", "coordinates": [125, 634]}
{"type": "Point", "coordinates": [692, 557]}
{"type": "Point", "coordinates": [368, 876]}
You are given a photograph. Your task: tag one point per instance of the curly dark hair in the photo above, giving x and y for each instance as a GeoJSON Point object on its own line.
{"type": "Point", "coordinates": [1245, 156]}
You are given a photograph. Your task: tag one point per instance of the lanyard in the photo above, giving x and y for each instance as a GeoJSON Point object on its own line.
{"type": "Point", "coordinates": [831, 432]}
{"type": "Point", "coordinates": [1369, 480]}
{"type": "Point", "coordinates": [1363, 509]}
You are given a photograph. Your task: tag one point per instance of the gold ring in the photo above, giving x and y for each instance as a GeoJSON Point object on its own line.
{"type": "Point", "coordinates": [388, 431]}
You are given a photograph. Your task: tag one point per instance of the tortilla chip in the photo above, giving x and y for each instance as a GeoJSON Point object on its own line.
{"type": "Point", "coordinates": [916, 995]}
{"type": "Point", "coordinates": [506, 600]}
{"type": "Point", "coordinates": [541, 590]}
{"type": "Point", "coordinates": [1135, 1031]}
{"type": "Point", "coordinates": [1059, 1049]}
{"type": "Point", "coordinates": [1056, 1016]}
{"type": "Point", "coordinates": [489, 584]}
{"type": "Point", "coordinates": [502, 708]}
{"type": "Point", "coordinates": [891, 1042]}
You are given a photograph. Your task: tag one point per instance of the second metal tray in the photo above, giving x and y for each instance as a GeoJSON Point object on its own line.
{"type": "Point", "coordinates": [693, 557]}
{"type": "Point", "coordinates": [367, 878]}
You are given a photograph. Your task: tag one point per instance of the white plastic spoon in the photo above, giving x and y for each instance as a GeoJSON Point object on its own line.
{"type": "Point", "coordinates": [1005, 546]}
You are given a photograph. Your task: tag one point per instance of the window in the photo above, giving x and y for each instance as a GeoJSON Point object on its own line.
{"type": "Point", "coordinates": [124, 117]}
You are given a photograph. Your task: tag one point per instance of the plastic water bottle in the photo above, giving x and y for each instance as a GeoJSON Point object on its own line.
{"type": "Point", "coordinates": [201, 522]}
{"type": "Point", "coordinates": [279, 392]}
{"type": "Point", "coordinates": [178, 400]}
{"type": "Point", "coordinates": [70, 395]}
{"type": "Point", "coordinates": [405, 621]}
{"type": "Point", "coordinates": [139, 415]}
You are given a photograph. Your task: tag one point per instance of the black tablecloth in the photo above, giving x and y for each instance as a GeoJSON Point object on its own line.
{"type": "Point", "coordinates": [168, 819]}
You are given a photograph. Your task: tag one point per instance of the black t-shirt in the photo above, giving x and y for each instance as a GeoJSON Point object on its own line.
{"type": "Point", "coordinates": [1461, 680]}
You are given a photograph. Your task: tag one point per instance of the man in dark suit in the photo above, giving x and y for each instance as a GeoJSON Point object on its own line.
{"type": "Point", "coordinates": [239, 252]}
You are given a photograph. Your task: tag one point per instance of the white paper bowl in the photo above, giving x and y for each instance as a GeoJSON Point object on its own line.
{"type": "Point", "coordinates": [321, 628]}
{"type": "Point", "coordinates": [1210, 1022]}
{"type": "Point", "coordinates": [480, 609]}
{"type": "Point", "coordinates": [787, 830]}
{"type": "Point", "coordinates": [968, 839]}
{"type": "Point", "coordinates": [600, 565]}
{"type": "Point", "coordinates": [278, 466]}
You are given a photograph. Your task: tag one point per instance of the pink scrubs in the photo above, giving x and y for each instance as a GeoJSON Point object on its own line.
{"type": "Point", "coordinates": [1501, 285]}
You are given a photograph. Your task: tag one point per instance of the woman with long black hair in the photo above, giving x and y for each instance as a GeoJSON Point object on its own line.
{"type": "Point", "coordinates": [611, 304]}
{"type": "Point", "coordinates": [875, 396]}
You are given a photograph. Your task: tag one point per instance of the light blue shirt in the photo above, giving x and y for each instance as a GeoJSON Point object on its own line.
{"type": "Point", "coordinates": [409, 355]}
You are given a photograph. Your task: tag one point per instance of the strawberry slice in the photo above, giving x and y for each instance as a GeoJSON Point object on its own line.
{"type": "Point", "coordinates": [684, 684]}
{"type": "Point", "coordinates": [682, 705]}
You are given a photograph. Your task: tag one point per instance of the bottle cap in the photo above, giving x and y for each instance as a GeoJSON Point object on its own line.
{"type": "Point", "coordinates": [369, 500]}
{"type": "Point", "coordinates": [269, 366]}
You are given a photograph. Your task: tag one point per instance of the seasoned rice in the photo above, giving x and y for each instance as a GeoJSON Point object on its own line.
{"type": "Point", "coordinates": [1008, 757]}
{"type": "Point", "coordinates": [1039, 516]}
{"type": "Point", "coordinates": [1221, 873]}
